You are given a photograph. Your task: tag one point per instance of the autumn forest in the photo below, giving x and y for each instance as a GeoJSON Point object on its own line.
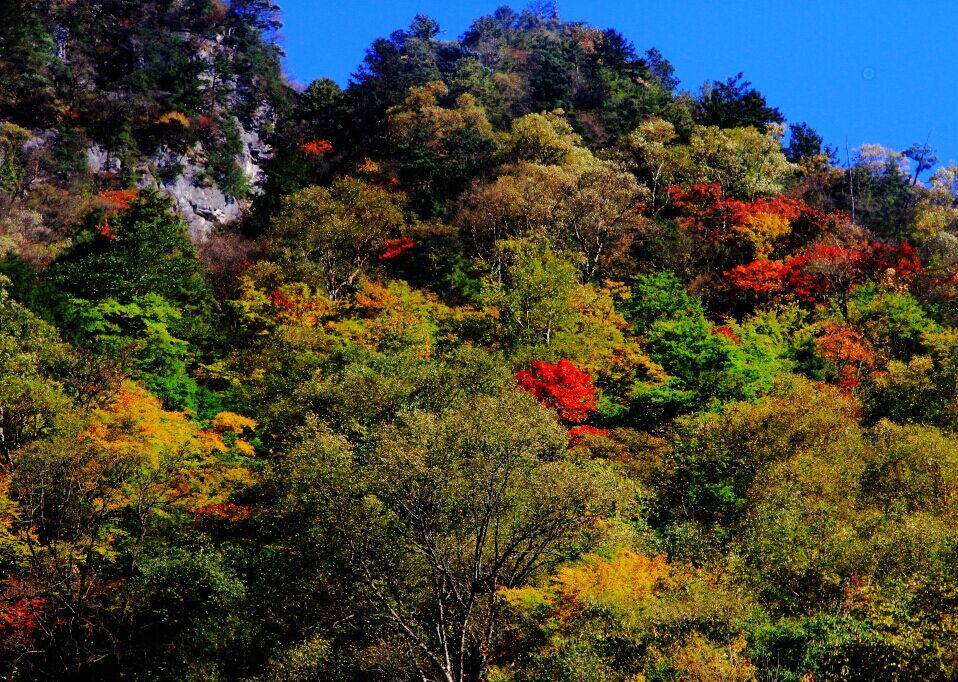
{"type": "Point", "coordinates": [513, 360]}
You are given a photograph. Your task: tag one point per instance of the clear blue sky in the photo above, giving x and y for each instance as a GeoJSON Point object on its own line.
{"type": "Point", "coordinates": [882, 71]}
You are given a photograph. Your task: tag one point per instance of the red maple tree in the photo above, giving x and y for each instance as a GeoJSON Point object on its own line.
{"type": "Point", "coordinates": [20, 615]}
{"type": "Point", "coordinates": [702, 210]}
{"type": "Point", "coordinates": [848, 353]}
{"type": "Point", "coordinates": [562, 387]}
{"type": "Point", "coordinates": [825, 269]}
{"type": "Point", "coordinates": [760, 278]}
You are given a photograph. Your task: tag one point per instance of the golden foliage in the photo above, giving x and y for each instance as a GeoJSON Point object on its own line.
{"type": "Point", "coordinates": [174, 117]}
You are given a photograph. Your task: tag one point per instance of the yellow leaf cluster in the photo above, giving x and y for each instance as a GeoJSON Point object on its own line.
{"type": "Point", "coordinates": [230, 421]}
{"type": "Point", "coordinates": [762, 230]}
{"type": "Point", "coordinates": [135, 425]}
{"type": "Point", "coordinates": [625, 583]}
{"type": "Point", "coordinates": [174, 117]}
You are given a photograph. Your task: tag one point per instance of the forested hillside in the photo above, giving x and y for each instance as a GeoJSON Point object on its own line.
{"type": "Point", "coordinates": [514, 360]}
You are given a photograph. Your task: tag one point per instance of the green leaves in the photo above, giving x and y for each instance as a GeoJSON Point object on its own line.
{"type": "Point", "coordinates": [331, 237]}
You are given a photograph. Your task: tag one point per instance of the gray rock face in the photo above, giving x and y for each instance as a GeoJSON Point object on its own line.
{"type": "Point", "coordinates": [255, 152]}
{"type": "Point", "coordinates": [185, 176]}
{"type": "Point", "coordinates": [100, 160]}
{"type": "Point", "coordinates": [40, 139]}
{"type": "Point", "coordinates": [202, 204]}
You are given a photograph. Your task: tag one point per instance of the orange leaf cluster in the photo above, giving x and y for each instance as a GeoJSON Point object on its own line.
{"type": "Point", "coordinates": [316, 148]}
{"type": "Point", "coordinates": [298, 306]}
{"type": "Point", "coordinates": [119, 199]}
{"type": "Point", "coordinates": [174, 117]}
{"type": "Point", "coordinates": [848, 352]}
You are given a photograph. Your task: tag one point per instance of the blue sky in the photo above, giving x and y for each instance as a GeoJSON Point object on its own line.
{"type": "Point", "coordinates": [882, 71]}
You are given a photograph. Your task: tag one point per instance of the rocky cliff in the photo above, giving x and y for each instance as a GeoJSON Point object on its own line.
{"type": "Point", "coordinates": [180, 95]}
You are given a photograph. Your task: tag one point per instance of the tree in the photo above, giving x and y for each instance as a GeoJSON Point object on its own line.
{"type": "Point", "coordinates": [627, 614]}
{"type": "Point", "coordinates": [533, 294]}
{"type": "Point", "coordinates": [704, 364]}
{"type": "Point", "coordinates": [804, 143]}
{"type": "Point", "coordinates": [827, 269]}
{"type": "Point", "coordinates": [585, 209]}
{"type": "Point", "coordinates": [330, 237]}
{"type": "Point", "coordinates": [562, 387]}
{"type": "Point", "coordinates": [441, 149]}
{"type": "Point", "coordinates": [141, 330]}
{"type": "Point", "coordinates": [26, 63]}
{"type": "Point", "coordinates": [658, 296]}
{"type": "Point", "coordinates": [546, 139]}
{"type": "Point", "coordinates": [261, 14]}
{"type": "Point", "coordinates": [445, 510]}
{"type": "Point", "coordinates": [146, 251]}
{"type": "Point", "coordinates": [650, 154]}
{"type": "Point", "coordinates": [744, 162]}
{"type": "Point", "coordinates": [752, 226]}
{"type": "Point", "coordinates": [98, 500]}
{"type": "Point", "coordinates": [34, 401]}
{"type": "Point", "coordinates": [734, 103]}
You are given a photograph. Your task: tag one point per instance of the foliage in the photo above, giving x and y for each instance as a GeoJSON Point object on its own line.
{"type": "Point", "coordinates": [328, 237]}
{"type": "Point", "coordinates": [562, 387]}
{"type": "Point", "coordinates": [520, 364]}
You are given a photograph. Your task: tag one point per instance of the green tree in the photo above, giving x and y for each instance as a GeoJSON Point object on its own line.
{"type": "Point", "coordinates": [330, 237]}
{"type": "Point", "coordinates": [534, 292]}
{"type": "Point", "coordinates": [441, 512]}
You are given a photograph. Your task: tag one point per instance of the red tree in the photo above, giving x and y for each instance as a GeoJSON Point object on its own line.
{"type": "Point", "coordinates": [20, 615]}
{"type": "Point", "coordinates": [562, 387]}
{"type": "Point", "coordinates": [760, 278]}
{"type": "Point", "coordinates": [702, 210]}
{"type": "Point", "coordinates": [825, 269]}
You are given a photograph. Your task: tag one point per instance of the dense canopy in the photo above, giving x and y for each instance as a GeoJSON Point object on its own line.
{"type": "Point", "coordinates": [512, 360]}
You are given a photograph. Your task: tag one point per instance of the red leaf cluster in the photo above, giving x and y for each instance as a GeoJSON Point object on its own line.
{"type": "Point", "coordinates": [393, 248]}
{"type": "Point", "coordinates": [695, 198]}
{"type": "Point", "coordinates": [316, 148]}
{"type": "Point", "coordinates": [727, 333]}
{"type": "Point", "coordinates": [19, 617]}
{"type": "Point", "coordinates": [578, 433]}
{"type": "Point", "coordinates": [702, 210]}
{"type": "Point", "coordinates": [106, 230]}
{"type": "Point", "coordinates": [225, 511]}
{"type": "Point", "coordinates": [562, 387]}
{"type": "Point", "coordinates": [824, 269]}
